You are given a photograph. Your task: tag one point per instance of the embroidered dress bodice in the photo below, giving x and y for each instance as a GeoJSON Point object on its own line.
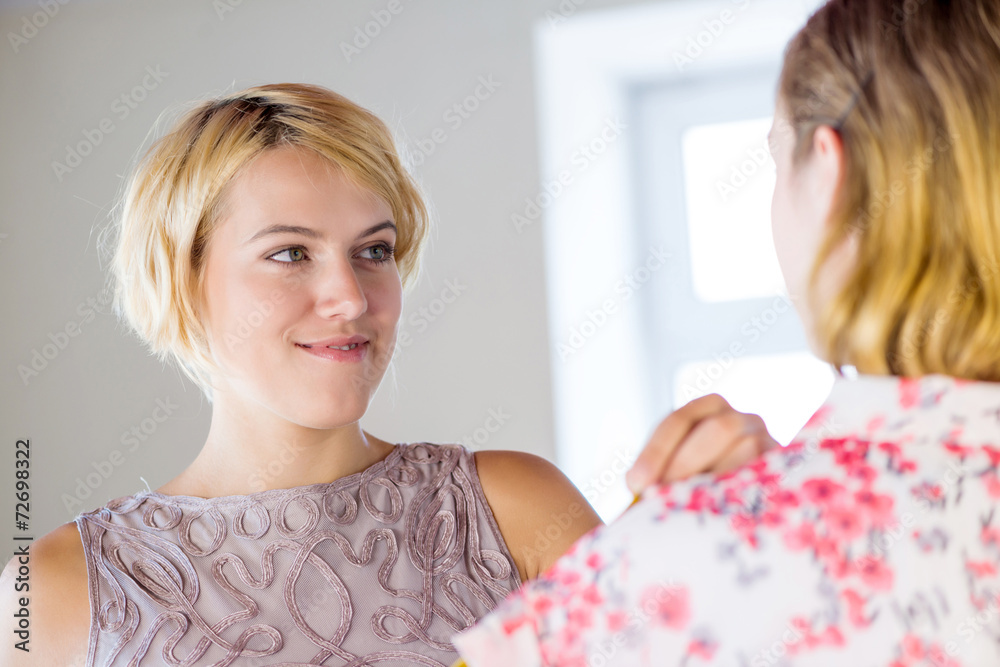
{"type": "Point", "coordinates": [381, 568]}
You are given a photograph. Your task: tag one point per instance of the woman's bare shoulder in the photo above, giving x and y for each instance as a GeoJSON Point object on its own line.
{"type": "Point", "coordinates": [538, 509]}
{"type": "Point", "coordinates": [52, 580]}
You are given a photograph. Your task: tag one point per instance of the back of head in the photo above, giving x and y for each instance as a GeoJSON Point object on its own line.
{"type": "Point", "coordinates": [176, 196]}
{"type": "Point", "coordinates": [920, 80]}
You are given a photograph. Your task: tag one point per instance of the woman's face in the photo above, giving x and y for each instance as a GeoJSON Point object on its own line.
{"type": "Point", "coordinates": [276, 297]}
{"type": "Point", "coordinates": [804, 195]}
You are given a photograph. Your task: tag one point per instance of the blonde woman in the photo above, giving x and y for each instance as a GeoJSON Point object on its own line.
{"type": "Point", "coordinates": [874, 539]}
{"type": "Point", "coordinates": [286, 206]}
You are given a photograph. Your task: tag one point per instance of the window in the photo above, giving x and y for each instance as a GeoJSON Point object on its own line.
{"type": "Point", "coordinates": [655, 203]}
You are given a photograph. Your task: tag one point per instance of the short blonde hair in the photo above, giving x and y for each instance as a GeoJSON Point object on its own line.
{"type": "Point", "coordinates": [912, 88]}
{"type": "Point", "coordinates": [174, 197]}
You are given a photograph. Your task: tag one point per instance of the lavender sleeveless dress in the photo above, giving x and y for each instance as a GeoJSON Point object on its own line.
{"type": "Point", "coordinates": [379, 568]}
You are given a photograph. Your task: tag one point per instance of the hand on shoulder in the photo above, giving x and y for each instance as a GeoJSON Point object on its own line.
{"type": "Point", "coordinates": [58, 602]}
{"type": "Point", "coordinates": [539, 511]}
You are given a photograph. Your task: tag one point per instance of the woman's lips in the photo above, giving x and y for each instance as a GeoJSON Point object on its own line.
{"type": "Point", "coordinates": [355, 354]}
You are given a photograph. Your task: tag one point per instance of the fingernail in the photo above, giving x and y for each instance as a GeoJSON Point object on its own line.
{"type": "Point", "coordinates": [635, 479]}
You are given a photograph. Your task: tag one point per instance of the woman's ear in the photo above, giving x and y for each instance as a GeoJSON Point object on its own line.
{"type": "Point", "coordinates": [825, 167]}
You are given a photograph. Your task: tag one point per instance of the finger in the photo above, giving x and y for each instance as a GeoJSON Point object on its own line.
{"type": "Point", "coordinates": [715, 439]}
{"type": "Point", "coordinates": [743, 451]}
{"type": "Point", "coordinates": [662, 445]}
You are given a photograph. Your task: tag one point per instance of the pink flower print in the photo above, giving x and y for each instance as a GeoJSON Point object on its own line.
{"type": "Point", "coordinates": [746, 527]}
{"type": "Point", "coordinates": [994, 455]}
{"type": "Point", "coordinates": [541, 605]}
{"type": "Point", "coordinates": [568, 577]}
{"type": "Point", "coordinates": [832, 636]}
{"type": "Point", "coordinates": [876, 507]}
{"type": "Point", "coordinates": [594, 561]}
{"type": "Point", "coordinates": [822, 490]}
{"type": "Point", "coordinates": [890, 448]}
{"type": "Point", "coordinates": [875, 423]}
{"type": "Point", "coordinates": [992, 484]}
{"type": "Point", "coordinates": [851, 454]}
{"type": "Point", "coordinates": [937, 656]}
{"type": "Point", "coordinates": [839, 567]}
{"type": "Point", "coordinates": [803, 537]}
{"type": "Point", "coordinates": [771, 519]}
{"type": "Point", "coordinates": [912, 647]}
{"type": "Point", "coordinates": [592, 595]}
{"type": "Point", "coordinates": [843, 524]}
{"type": "Point", "coordinates": [907, 466]}
{"type": "Point", "coordinates": [931, 493]}
{"type": "Point", "coordinates": [875, 573]}
{"type": "Point", "coordinates": [579, 618]}
{"type": "Point", "coordinates": [990, 535]}
{"type": "Point", "coordinates": [958, 450]}
{"type": "Point", "coordinates": [732, 496]}
{"type": "Point", "coordinates": [702, 500]}
{"type": "Point", "coordinates": [782, 499]}
{"type": "Point", "coordinates": [826, 549]}
{"type": "Point", "coordinates": [700, 648]}
{"type": "Point", "coordinates": [617, 620]}
{"type": "Point", "coordinates": [856, 608]}
{"type": "Point", "coordinates": [863, 473]}
{"type": "Point", "coordinates": [512, 623]}
{"type": "Point", "coordinates": [819, 416]}
{"type": "Point", "coordinates": [980, 569]}
{"type": "Point", "coordinates": [669, 607]}
{"type": "Point", "coordinates": [909, 392]}
{"type": "Point", "coordinates": [794, 447]}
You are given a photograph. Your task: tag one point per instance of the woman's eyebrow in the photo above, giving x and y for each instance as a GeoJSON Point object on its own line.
{"type": "Point", "coordinates": [312, 233]}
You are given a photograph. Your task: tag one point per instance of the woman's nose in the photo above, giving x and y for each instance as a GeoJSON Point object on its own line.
{"type": "Point", "coordinates": [340, 293]}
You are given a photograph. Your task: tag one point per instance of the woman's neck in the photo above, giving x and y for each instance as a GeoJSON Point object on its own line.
{"type": "Point", "coordinates": [245, 454]}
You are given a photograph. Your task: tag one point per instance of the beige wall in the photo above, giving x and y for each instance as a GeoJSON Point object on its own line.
{"type": "Point", "coordinates": [486, 351]}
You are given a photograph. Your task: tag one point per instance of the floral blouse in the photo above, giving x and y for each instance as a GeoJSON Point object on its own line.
{"type": "Point", "coordinates": [872, 539]}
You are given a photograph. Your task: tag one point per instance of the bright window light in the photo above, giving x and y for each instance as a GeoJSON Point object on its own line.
{"type": "Point", "coordinates": [784, 389]}
{"type": "Point", "coordinates": [729, 178]}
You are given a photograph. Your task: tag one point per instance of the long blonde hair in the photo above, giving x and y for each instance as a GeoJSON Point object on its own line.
{"type": "Point", "coordinates": [173, 200]}
{"type": "Point", "coordinates": [914, 89]}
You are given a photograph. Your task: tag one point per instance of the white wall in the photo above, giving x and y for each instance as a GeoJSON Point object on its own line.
{"type": "Point", "coordinates": [488, 350]}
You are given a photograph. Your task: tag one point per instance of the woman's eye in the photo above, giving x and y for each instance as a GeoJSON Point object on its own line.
{"type": "Point", "coordinates": [378, 253]}
{"type": "Point", "coordinates": [298, 255]}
